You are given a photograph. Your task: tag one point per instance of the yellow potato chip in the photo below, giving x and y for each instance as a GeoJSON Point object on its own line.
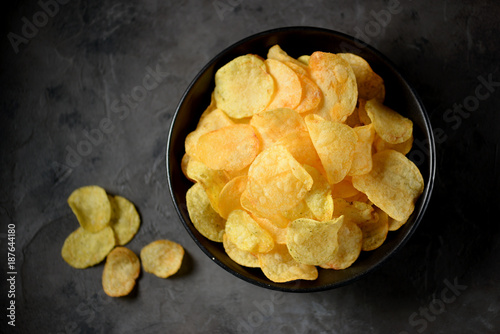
{"type": "Point", "coordinates": [84, 249]}
{"type": "Point", "coordinates": [311, 94]}
{"type": "Point", "coordinates": [304, 59]}
{"type": "Point", "coordinates": [230, 195]}
{"type": "Point", "coordinates": [125, 220]}
{"type": "Point", "coordinates": [243, 231]}
{"type": "Point", "coordinates": [335, 143]}
{"type": "Point", "coordinates": [362, 159]}
{"type": "Point", "coordinates": [243, 87]}
{"type": "Point", "coordinates": [335, 78]}
{"type": "Point", "coordinates": [389, 125]}
{"type": "Point", "coordinates": [362, 115]}
{"type": "Point", "coordinates": [276, 181]}
{"type": "Point", "coordinates": [278, 233]}
{"type": "Point", "coordinates": [250, 206]}
{"type": "Point", "coordinates": [120, 272]}
{"type": "Point", "coordinates": [279, 266]}
{"type": "Point", "coordinates": [356, 212]}
{"type": "Point", "coordinates": [91, 207]}
{"type": "Point", "coordinates": [374, 230]}
{"type": "Point", "coordinates": [344, 189]}
{"type": "Point", "coordinates": [162, 258]}
{"type": "Point", "coordinates": [184, 166]}
{"type": "Point", "coordinates": [239, 256]}
{"type": "Point", "coordinates": [299, 144]}
{"type": "Point", "coordinates": [213, 120]}
{"type": "Point", "coordinates": [403, 147]}
{"type": "Point", "coordinates": [288, 89]}
{"type": "Point", "coordinates": [275, 52]}
{"type": "Point", "coordinates": [313, 242]}
{"type": "Point", "coordinates": [205, 219]}
{"type": "Point", "coordinates": [350, 240]}
{"type": "Point", "coordinates": [394, 224]}
{"type": "Point", "coordinates": [230, 148]}
{"type": "Point", "coordinates": [319, 197]}
{"type": "Point", "coordinates": [370, 85]}
{"type": "Point", "coordinates": [393, 184]}
{"type": "Point", "coordinates": [274, 124]}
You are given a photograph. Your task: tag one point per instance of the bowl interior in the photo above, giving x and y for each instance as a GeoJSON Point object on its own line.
{"type": "Point", "coordinates": [297, 41]}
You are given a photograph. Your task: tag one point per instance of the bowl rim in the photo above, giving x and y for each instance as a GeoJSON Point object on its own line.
{"type": "Point", "coordinates": [426, 195]}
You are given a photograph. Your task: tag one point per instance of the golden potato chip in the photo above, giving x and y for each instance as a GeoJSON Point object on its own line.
{"type": "Point", "coordinates": [213, 120]}
{"type": "Point", "coordinates": [393, 184]}
{"type": "Point", "coordinates": [394, 224]}
{"type": "Point", "coordinates": [299, 144]}
{"type": "Point", "coordinates": [213, 181]}
{"type": "Point", "coordinates": [278, 233]}
{"type": "Point", "coordinates": [403, 147]}
{"type": "Point", "coordinates": [311, 94]}
{"type": "Point", "coordinates": [184, 166]}
{"type": "Point", "coordinates": [229, 148]}
{"type": "Point", "coordinates": [374, 230]}
{"type": "Point", "coordinates": [91, 207]}
{"type": "Point", "coordinates": [350, 240]}
{"type": "Point", "coordinates": [344, 189]}
{"type": "Point", "coordinates": [205, 219]}
{"type": "Point", "coordinates": [288, 89]}
{"type": "Point", "coordinates": [279, 266]}
{"type": "Point", "coordinates": [243, 231]}
{"type": "Point", "coordinates": [389, 125]}
{"type": "Point", "coordinates": [162, 258]}
{"type": "Point", "coordinates": [243, 87]}
{"type": "Point", "coordinates": [356, 212]}
{"type": "Point", "coordinates": [319, 197]}
{"type": "Point", "coordinates": [370, 85]}
{"type": "Point", "coordinates": [335, 143]}
{"type": "Point", "coordinates": [250, 206]}
{"type": "Point", "coordinates": [120, 272]}
{"type": "Point", "coordinates": [125, 220]}
{"type": "Point", "coordinates": [313, 242]}
{"type": "Point", "coordinates": [230, 195]}
{"type": "Point", "coordinates": [362, 159]}
{"type": "Point", "coordinates": [84, 249]}
{"type": "Point", "coordinates": [275, 52]}
{"type": "Point", "coordinates": [362, 115]}
{"type": "Point", "coordinates": [304, 59]}
{"type": "Point", "coordinates": [276, 181]}
{"type": "Point", "coordinates": [335, 78]}
{"type": "Point", "coordinates": [274, 124]}
{"type": "Point", "coordinates": [239, 256]}
{"type": "Point", "coordinates": [301, 210]}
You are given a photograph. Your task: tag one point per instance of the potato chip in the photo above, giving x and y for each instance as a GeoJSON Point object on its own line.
{"type": "Point", "coordinates": [374, 230]}
{"type": "Point", "coordinates": [243, 87]}
{"type": "Point", "coordinates": [370, 85]}
{"type": "Point", "coordinates": [319, 198]}
{"type": "Point", "coordinates": [288, 89]}
{"type": "Point", "coordinates": [274, 124]}
{"type": "Point", "coordinates": [246, 233]}
{"type": "Point", "coordinates": [356, 212]}
{"type": "Point", "coordinates": [162, 258]}
{"type": "Point", "coordinates": [362, 115]}
{"type": "Point", "coordinates": [404, 147]}
{"type": "Point", "coordinates": [311, 94]}
{"type": "Point", "coordinates": [213, 181]}
{"type": "Point", "coordinates": [344, 189]}
{"type": "Point", "coordinates": [335, 144]}
{"type": "Point", "coordinates": [239, 256]}
{"type": "Point", "coordinates": [312, 242]}
{"type": "Point", "coordinates": [275, 52]}
{"type": "Point", "coordinates": [350, 240]}
{"type": "Point", "coordinates": [335, 78]}
{"type": "Point", "coordinates": [389, 125]}
{"type": "Point", "coordinates": [279, 266]}
{"type": "Point", "coordinates": [362, 159]}
{"type": "Point", "coordinates": [91, 207]}
{"type": "Point", "coordinates": [304, 59]}
{"type": "Point", "coordinates": [229, 148]}
{"type": "Point", "coordinates": [299, 144]}
{"type": "Point", "coordinates": [84, 249]}
{"type": "Point", "coordinates": [250, 205]}
{"type": "Point", "coordinates": [213, 120]}
{"type": "Point", "coordinates": [184, 166]}
{"type": "Point", "coordinates": [125, 220]}
{"type": "Point", "coordinates": [276, 181]}
{"type": "Point", "coordinates": [394, 224]}
{"type": "Point", "coordinates": [230, 195]}
{"type": "Point", "coordinates": [278, 233]}
{"type": "Point", "coordinates": [205, 219]}
{"type": "Point", "coordinates": [393, 184]}
{"type": "Point", "coordinates": [120, 272]}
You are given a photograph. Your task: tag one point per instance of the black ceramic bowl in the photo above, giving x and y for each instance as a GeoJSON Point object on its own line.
{"type": "Point", "coordinates": [297, 41]}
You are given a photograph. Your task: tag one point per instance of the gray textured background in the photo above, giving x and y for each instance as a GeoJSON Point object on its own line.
{"type": "Point", "coordinates": [84, 60]}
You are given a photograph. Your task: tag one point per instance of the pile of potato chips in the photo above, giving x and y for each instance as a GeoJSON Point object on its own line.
{"type": "Point", "coordinates": [297, 163]}
{"type": "Point", "coordinates": [108, 221]}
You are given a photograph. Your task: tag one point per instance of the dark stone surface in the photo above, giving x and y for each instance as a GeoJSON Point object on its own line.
{"type": "Point", "coordinates": [86, 58]}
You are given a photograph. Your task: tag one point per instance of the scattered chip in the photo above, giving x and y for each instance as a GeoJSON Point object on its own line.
{"type": "Point", "coordinates": [84, 249]}
{"type": "Point", "coordinates": [120, 272]}
{"type": "Point", "coordinates": [205, 219]}
{"type": "Point", "coordinates": [91, 207]}
{"type": "Point", "coordinates": [125, 220]}
{"type": "Point", "coordinates": [162, 258]}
